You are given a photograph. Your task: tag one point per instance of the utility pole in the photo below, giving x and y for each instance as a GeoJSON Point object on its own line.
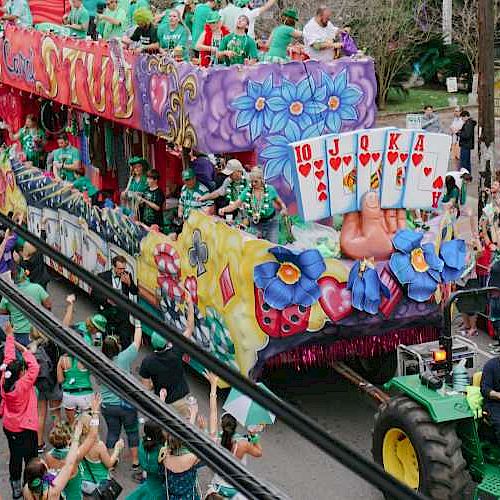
{"type": "Point", "coordinates": [486, 63]}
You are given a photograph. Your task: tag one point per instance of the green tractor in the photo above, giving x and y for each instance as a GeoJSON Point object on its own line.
{"type": "Point", "coordinates": [427, 435]}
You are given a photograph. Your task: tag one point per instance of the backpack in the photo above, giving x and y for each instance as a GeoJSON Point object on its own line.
{"type": "Point", "coordinates": [46, 380]}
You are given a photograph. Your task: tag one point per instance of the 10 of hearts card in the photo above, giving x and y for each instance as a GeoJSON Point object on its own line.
{"type": "Point", "coordinates": [406, 168]}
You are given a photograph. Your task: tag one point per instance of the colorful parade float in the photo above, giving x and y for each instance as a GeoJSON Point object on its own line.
{"type": "Point", "coordinates": [356, 281]}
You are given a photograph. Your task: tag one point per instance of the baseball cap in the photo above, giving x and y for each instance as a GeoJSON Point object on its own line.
{"type": "Point", "coordinates": [233, 165]}
{"type": "Point", "coordinates": [188, 174]}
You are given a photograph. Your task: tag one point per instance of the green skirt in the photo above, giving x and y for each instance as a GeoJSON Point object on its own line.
{"type": "Point", "coordinates": [152, 489]}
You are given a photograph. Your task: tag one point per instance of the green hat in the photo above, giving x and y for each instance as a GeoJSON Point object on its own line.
{"type": "Point", "coordinates": [100, 322]}
{"type": "Point", "coordinates": [213, 17]}
{"type": "Point", "coordinates": [242, 3]}
{"type": "Point", "coordinates": [157, 342]}
{"type": "Point", "coordinates": [291, 13]}
{"type": "Point", "coordinates": [135, 159]}
{"type": "Point", "coordinates": [188, 174]}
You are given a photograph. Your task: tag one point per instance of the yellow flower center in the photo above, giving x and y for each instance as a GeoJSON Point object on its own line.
{"type": "Point", "coordinates": [418, 261]}
{"type": "Point", "coordinates": [333, 103]}
{"type": "Point", "coordinates": [260, 103]}
{"type": "Point", "coordinates": [288, 273]}
{"type": "Point", "coordinates": [296, 108]}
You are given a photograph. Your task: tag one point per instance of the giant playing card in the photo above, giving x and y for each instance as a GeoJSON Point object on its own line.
{"type": "Point", "coordinates": [396, 156]}
{"type": "Point", "coordinates": [426, 170]}
{"type": "Point", "coordinates": [341, 161]}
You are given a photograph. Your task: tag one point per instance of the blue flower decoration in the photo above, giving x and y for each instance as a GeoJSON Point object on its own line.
{"type": "Point", "coordinates": [254, 110]}
{"type": "Point", "coordinates": [366, 287]}
{"type": "Point", "coordinates": [341, 99]}
{"type": "Point", "coordinates": [453, 253]}
{"type": "Point", "coordinates": [416, 265]}
{"type": "Point", "coordinates": [293, 279]}
{"type": "Point", "coordinates": [276, 154]}
{"type": "Point", "coordinates": [300, 103]}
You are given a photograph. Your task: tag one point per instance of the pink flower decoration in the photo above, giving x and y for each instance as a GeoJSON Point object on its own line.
{"type": "Point", "coordinates": [191, 285]}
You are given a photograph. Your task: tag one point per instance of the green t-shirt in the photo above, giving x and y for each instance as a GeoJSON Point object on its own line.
{"type": "Point", "coordinates": [453, 195]}
{"type": "Point", "coordinates": [124, 361]}
{"type": "Point", "coordinates": [20, 9]}
{"type": "Point", "coordinates": [108, 30]}
{"type": "Point", "coordinates": [243, 46]}
{"type": "Point", "coordinates": [280, 40]}
{"type": "Point", "coordinates": [263, 208]}
{"type": "Point", "coordinates": [201, 13]}
{"type": "Point", "coordinates": [169, 39]}
{"type": "Point", "coordinates": [79, 16]}
{"type": "Point", "coordinates": [32, 141]}
{"type": "Point", "coordinates": [188, 21]}
{"type": "Point", "coordinates": [138, 186]}
{"type": "Point", "coordinates": [19, 321]}
{"type": "Point", "coordinates": [66, 156]}
{"type": "Point", "coordinates": [83, 183]}
{"type": "Point", "coordinates": [81, 327]}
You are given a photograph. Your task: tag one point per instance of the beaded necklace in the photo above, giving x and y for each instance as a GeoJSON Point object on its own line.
{"type": "Point", "coordinates": [235, 189]}
{"type": "Point", "coordinates": [256, 208]}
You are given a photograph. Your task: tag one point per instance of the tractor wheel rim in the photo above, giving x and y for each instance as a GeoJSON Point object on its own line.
{"type": "Point", "coordinates": [400, 459]}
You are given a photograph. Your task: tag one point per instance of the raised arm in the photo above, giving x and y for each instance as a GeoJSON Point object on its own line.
{"type": "Point", "coordinates": [213, 424]}
{"type": "Point", "coordinates": [188, 331]}
{"type": "Point", "coordinates": [138, 335]}
{"type": "Point", "coordinates": [68, 315]}
{"type": "Point", "coordinates": [10, 348]}
{"type": "Point", "coordinates": [107, 459]}
{"type": "Point", "coordinates": [92, 436]}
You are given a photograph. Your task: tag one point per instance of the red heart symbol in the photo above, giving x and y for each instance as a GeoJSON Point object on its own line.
{"type": "Point", "coordinates": [319, 174]}
{"type": "Point", "coordinates": [416, 158]}
{"type": "Point", "coordinates": [438, 183]}
{"type": "Point", "coordinates": [375, 156]}
{"type": "Point", "coordinates": [335, 163]}
{"type": "Point", "coordinates": [427, 171]}
{"type": "Point", "coordinates": [158, 92]}
{"type": "Point", "coordinates": [318, 164]}
{"type": "Point", "coordinates": [392, 156]}
{"type": "Point", "coordinates": [364, 158]}
{"type": "Point", "coordinates": [304, 169]}
{"type": "Point", "coordinates": [322, 196]}
{"type": "Point", "coordinates": [321, 187]}
{"type": "Point", "coordinates": [347, 159]}
{"type": "Point", "coordinates": [403, 157]}
{"type": "Point", "coordinates": [335, 299]}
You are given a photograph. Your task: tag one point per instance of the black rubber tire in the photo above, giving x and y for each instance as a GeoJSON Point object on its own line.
{"type": "Point", "coordinates": [442, 468]}
{"type": "Point", "coordinates": [378, 370]}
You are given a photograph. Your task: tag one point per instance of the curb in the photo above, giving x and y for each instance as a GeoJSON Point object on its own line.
{"type": "Point", "coordinates": [385, 114]}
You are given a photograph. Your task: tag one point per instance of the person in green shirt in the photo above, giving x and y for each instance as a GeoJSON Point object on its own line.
{"type": "Point", "coordinates": [112, 22]}
{"type": "Point", "coordinates": [259, 203]}
{"type": "Point", "coordinates": [66, 160]}
{"type": "Point", "coordinates": [173, 34]}
{"type": "Point", "coordinates": [77, 20]}
{"type": "Point", "coordinates": [137, 184]}
{"type": "Point", "coordinates": [201, 13]}
{"type": "Point", "coordinates": [83, 184]}
{"type": "Point", "coordinates": [187, 15]}
{"type": "Point", "coordinates": [17, 11]}
{"type": "Point", "coordinates": [91, 7]}
{"type": "Point", "coordinates": [32, 139]}
{"type": "Point", "coordinates": [238, 47]}
{"type": "Point", "coordinates": [282, 36]}
{"type": "Point", "coordinates": [191, 193]}
{"type": "Point", "coordinates": [20, 322]}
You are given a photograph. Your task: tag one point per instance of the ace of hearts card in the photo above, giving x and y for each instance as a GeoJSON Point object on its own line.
{"type": "Point", "coordinates": [426, 170]}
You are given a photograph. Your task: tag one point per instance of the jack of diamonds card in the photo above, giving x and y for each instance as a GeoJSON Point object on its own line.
{"type": "Point", "coordinates": [311, 176]}
{"type": "Point", "coordinates": [370, 149]}
{"type": "Point", "coordinates": [341, 161]}
{"type": "Point", "coordinates": [426, 170]}
{"type": "Point", "coordinates": [396, 156]}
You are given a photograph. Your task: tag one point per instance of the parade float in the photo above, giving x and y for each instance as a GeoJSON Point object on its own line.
{"type": "Point", "coordinates": [354, 284]}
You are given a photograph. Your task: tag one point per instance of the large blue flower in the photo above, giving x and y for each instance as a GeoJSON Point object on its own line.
{"type": "Point", "coordinates": [254, 110]}
{"type": "Point", "coordinates": [366, 287]}
{"type": "Point", "coordinates": [341, 99]}
{"type": "Point", "coordinates": [453, 253]}
{"type": "Point", "coordinates": [300, 103]}
{"type": "Point", "coordinates": [291, 279]}
{"type": "Point", "coordinates": [416, 265]}
{"type": "Point", "coordinates": [277, 155]}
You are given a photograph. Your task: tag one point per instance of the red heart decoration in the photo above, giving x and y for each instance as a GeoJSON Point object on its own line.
{"type": "Point", "coordinates": [438, 183]}
{"type": "Point", "coordinates": [364, 158]}
{"type": "Point", "coordinates": [427, 171]}
{"type": "Point", "coordinates": [335, 162]}
{"type": "Point", "coordinates": [335, 299]}
{"type": "Point", "coordinates": [403, 157]}
{"type": "Point", "coordinates": [392, 156]}
{"type": "Point", "coordinates": [158, 92]}
{"type": "Point", "coordinates": [416, 158]}
{"type": "Point", "coordinates": [318, 164]}
{"type": "Point", "coordinates": [322, 196]}
{"type": "Point", "coordinates": [375, 156]}
{"type": "Point", "coordinates": [321, 187]}
{"type": "Point", "coordinates": [347, 159]}
{"type": "Point", "coordinates": [304, 169]}
{"type": "Point", "coordinates": [388, 304]}
{"type": "Point", "coordinates": [319, 174]}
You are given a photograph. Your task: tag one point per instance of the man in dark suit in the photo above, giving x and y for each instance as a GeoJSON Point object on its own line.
{"type": "Point", "coordinates": [118, 321]}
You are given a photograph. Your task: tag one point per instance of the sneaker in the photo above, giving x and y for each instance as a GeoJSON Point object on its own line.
{"type": "Point", "coordinates": [137, 475]}
{"type": "Point", "coordinates": [41, 448]}
{"type": "Point", "coordinates": [17, 489]}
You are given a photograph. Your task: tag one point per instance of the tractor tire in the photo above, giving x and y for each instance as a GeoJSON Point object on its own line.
{"type": "Point", "coordinates": [378, 370]}
{"type": "Point", "coordinates": [424, 455]}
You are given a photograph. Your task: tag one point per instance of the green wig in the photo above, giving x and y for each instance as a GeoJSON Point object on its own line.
{"type": "Point", "coordinates": [143, 16]}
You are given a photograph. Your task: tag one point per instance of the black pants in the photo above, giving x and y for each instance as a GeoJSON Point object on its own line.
{"type": "Point", "coordinates": [92, 29]}
{"type": "Point", "coordinates": [22, 446]}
